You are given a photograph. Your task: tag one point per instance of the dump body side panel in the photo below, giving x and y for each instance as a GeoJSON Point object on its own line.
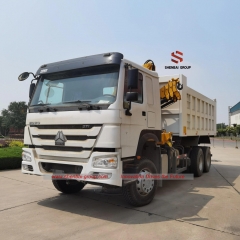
{"type": "Point", "coordinates": [193, 115]}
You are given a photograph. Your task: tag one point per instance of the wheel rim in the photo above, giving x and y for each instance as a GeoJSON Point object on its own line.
{"type": "Point", "coordinates": [201, 163]}
{"type": "Point", "coordinates": [144, 186]}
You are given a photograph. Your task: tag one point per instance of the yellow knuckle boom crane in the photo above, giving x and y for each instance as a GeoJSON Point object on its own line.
{"type": "Point", "coordinates": [169, 94]}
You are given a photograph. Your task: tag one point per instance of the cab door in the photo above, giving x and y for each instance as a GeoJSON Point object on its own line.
{"type": "Point", "coordinates": [151, 115]}
{"type": "Point", "coordinates": [134, 124]}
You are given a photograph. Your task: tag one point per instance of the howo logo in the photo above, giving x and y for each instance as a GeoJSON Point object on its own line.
{"type": "Point", "coordinates": [177, 57]}
{"type": "Point", "coordinates": [60, 139]}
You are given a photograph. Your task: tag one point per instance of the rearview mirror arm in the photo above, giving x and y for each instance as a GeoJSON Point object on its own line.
{"type": "Point", "coordinates": [127, 112]}
{"type": "Point", "coordinates": [33, 75]}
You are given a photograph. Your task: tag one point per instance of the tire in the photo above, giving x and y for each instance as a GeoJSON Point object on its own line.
{"type": "Point", "coordinates": [207, 159]}
{"type": "Point", "coordinates": [68, 186]}
{"type": "Point", "coordinates": [197, 161]}
{"type": "Point", "coordinates": [138, 193]}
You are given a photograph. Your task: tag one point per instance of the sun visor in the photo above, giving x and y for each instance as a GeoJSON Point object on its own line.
{"type": "Point", "coordinates": [83, 62]}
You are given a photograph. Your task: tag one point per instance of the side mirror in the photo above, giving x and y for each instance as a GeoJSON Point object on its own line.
{"type": "Point", "coordinates": [132, 79]}
{"type": "Point", "coordinates": [132, 83]}
{"type": "Point", "coordinates": [23, 76]}
{"type": "Point", "coordinates": [31, 89]}
{"type": "Point", "coordinates": [132, 96]}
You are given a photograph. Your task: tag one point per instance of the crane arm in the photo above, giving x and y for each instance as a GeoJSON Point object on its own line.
{"type": "Point", "coordinates": [169, 93]}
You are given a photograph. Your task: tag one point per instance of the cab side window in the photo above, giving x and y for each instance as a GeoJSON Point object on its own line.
{"type": "Point", "coordinates": [139, 90]}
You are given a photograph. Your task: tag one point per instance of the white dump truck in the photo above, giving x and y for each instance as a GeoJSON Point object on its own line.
{"type": "Point", "coordinates": [104, 114]}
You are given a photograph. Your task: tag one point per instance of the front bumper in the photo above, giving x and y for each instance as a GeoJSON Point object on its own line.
{"type": "Point", "coordinates": [34, 167]}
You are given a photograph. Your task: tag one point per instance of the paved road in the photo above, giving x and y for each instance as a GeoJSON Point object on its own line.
{"type": "Point", "coordinates": [205, 208]}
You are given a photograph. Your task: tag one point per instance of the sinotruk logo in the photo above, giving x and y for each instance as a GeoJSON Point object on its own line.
{"type": "Point", "coordinates": [177, 57]}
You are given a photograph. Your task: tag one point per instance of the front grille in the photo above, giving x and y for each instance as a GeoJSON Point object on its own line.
{"type": "Point", "coordinates": [53, 167]}
{"type": "Point", "coordinates": [64, 126]}
{"type": "Point", "coordinates": [71, 149]}
{"type": "Point", "coordinates": [77, 139]}
{"type": "Point", "coordinates": [52, 137]}
{"type": "Point", "coordinates": [104, 150]}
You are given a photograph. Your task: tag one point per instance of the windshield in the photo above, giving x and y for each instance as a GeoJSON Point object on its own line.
{"type": "Point", "coordinates": [96, 85]}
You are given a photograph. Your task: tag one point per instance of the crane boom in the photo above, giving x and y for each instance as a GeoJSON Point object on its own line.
{"type": "Point", "coordinates": [169, 93]}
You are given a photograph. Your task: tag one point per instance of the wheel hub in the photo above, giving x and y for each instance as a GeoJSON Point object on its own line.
{"type": "Point", "coordinates": [144, 185]}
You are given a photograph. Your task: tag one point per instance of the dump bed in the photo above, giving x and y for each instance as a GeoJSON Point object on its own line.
{"type": "Point", "coordinates": [194, 114]}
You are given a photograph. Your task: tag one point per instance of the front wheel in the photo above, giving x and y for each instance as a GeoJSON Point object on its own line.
{"type": "Point", "coordinates": [68, 186]}
{"type": "Point", "coordinates": [142, 191]}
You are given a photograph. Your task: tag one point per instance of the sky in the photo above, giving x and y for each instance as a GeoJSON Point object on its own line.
{"type": "Point", "coordinates": [34, 32]}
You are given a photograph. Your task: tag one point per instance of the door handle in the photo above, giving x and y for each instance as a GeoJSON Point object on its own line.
{"type": "Point", "coordinates": [143, 113]}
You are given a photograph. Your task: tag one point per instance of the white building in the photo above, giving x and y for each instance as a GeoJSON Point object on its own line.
{"type": "Point", "coordinates": [234, 114]}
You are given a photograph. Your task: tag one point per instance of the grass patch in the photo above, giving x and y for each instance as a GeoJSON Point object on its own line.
{"type": "Point", "coordinates": [10, 158]}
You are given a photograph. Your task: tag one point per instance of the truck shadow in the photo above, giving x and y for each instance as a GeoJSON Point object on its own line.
{"type": "Point", "coordinates": [93, 204]}
{"type": "Point", "coordinates": [185, 200]}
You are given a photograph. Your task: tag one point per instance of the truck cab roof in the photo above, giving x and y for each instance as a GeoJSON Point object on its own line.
{"type": "Point", "coordinates": [82, 62]}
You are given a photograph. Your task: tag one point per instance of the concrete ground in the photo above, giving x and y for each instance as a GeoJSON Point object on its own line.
{"type": "Point", "coordinates": [205, 208]}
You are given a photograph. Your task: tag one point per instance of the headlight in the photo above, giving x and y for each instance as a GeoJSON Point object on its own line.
{"type": "Point", "coordinates": [105, 162]}
{"type": "Point", "coordinates": [26, 157]}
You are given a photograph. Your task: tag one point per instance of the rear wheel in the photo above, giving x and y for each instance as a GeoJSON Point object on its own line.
{"type": "Point", "coordinates": [142, 191]}
{"type": "Point", "coordinates": [68, 186]}
{"type": "Point", "coordinates": [197, 161]}
{"type": "Point", "coordinates": [207, 159]}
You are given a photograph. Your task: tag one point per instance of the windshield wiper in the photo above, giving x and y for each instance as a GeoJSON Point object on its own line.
{"type": "Point", "coordinates": [89, 106]}
{"type": "Point", "coordinates": [44, 106]}
{"type": "Point", "coordinates": [78, 101]}
{"type": "Point", "coordinates": [86, 104]}
{"type": "Point", "coordinates": [41, 104]}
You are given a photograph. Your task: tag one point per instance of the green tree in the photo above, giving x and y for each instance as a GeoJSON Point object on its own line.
{"type": "Point", "coordinates": [221, 132]}
{"type": "Point", "coordinates": [238, 129]}
{"type": "Point", "coordinates": [229, 131]}
{"type": "Point", "coordinates": [221, 126]}
{"type": "Point", "coordinates": [1, 128]}
{"type": "Point", "coordinates": [5, 125]}
{"type": "Point", "coordinates": [14, 116]}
